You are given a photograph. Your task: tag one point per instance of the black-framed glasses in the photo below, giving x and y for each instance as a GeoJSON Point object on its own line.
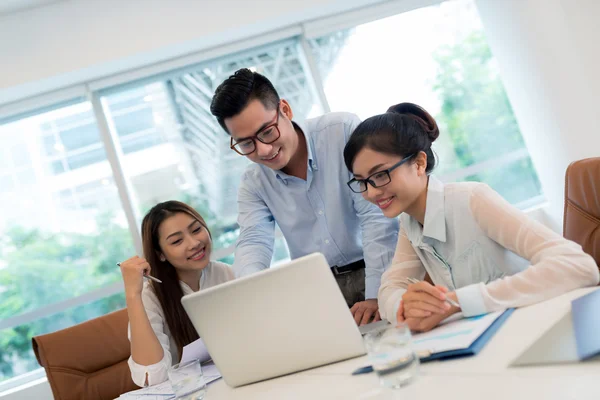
{"type": "Point", "coordinates": [267, 135]}
{"type": "Point", "coordinates": [377, 179]}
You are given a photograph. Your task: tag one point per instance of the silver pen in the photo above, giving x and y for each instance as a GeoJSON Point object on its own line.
{"type": "Point", "coordinates": [408, 280]}
{"type": "Point", "coordinates": [146, 276]}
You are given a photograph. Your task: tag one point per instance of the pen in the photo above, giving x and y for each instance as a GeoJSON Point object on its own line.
{"type": "Point", "coordinates": [408, 280]}
{"type": "Point", "coordinates": [146, 276]}
{"type": "Point", "coordinates": [363, 370]}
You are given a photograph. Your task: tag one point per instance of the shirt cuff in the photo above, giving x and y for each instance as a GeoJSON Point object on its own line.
{"type": "Point", "coordinates": [392, 319]}
{"type": "Point", "coordinates": [470, 299]}
{"type": "Point", "coordinates": [389, 310]}
{"type": "Point", "coordinates": [157, 373]}
{"type": "Point", "coordinates": [372, 287]}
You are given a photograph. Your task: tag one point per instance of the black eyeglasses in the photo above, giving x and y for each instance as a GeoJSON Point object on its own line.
{"type": "Point", "coordinates": [267, 135]}
{"type": "Point", "coordinates": [378, 179]}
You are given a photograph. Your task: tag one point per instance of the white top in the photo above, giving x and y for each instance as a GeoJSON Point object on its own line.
{"type": "Point", "coordinates": [493, 255]}
{"type": "Point", "coordinates": [213, 274]}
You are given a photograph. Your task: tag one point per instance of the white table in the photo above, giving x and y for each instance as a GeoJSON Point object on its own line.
{"type": "Point", "coordinates": [487, 376]}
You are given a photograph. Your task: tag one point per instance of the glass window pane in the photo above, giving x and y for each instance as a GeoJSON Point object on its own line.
{"type": "Point", "coordinates": [437, 57]}
{"type": "Point", "coordinates": [20, 155]}
{"type": "Point", "coordinates": [17, 355]}
{"type": "Point", "coordinates": [92, 156]}
{"type": "Point", "coordinates": [515, 180]}
{"type": "Point", "coordinates": [65, 230]}
{"type": "Point", "coordinates": [186, 155]}
{"type": "Point", "coordinates": [6, 183]}
{"type": "Point", "coordinates": [79, 136]}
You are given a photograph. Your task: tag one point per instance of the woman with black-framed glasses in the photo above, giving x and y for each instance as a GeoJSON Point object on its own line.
{"type": "Point", "coordinates": [478, 249]}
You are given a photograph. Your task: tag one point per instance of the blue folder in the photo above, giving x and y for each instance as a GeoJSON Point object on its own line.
{"type": "Point", "coordinates": [476, 346]}
{"type": "Point", "coordinates": [472, 350]}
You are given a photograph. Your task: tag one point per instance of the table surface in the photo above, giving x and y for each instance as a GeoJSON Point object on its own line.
{"type": "Point", "coordinates": [485, 376]}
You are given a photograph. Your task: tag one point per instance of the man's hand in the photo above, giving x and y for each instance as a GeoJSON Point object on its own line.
{"type": "Point", "coordinates": [363, 311]}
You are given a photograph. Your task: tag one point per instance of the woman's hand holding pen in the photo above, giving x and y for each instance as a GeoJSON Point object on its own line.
{"type": "Point", "coordinates": [423, 299]}
{"type": "Point", "coordinates": [424, 306]}
{"type": "Point", "coordinates": [133, 271]}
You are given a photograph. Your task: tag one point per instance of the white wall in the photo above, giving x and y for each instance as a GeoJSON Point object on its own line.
{"type": "Point", "coordinates": [548, 55]}
{"type": "Point", "coordinates": [38, 389]}
{"type": "Point", "coordinates": [78, 40]}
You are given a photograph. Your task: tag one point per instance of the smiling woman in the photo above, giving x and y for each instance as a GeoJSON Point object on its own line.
{"type": "Point", "coordinates": [177, 246]}
{"type": "Point", "coordinates": [478, 250]}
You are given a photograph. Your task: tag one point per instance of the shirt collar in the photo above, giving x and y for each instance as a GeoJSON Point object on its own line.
{"type": "Point", "coordinates": [187, 290]}
{"type": "Point", "coordinates": [435, 217]}
{"type": "Point", "coordinates": [312, 162]}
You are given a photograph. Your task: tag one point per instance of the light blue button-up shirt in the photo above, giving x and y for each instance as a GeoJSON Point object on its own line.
{"type": "Point", "coordinates": [319, 214]}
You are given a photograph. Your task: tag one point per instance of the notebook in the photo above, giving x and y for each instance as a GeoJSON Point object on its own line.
{"type": "Point", "coordinates": [459, 337]}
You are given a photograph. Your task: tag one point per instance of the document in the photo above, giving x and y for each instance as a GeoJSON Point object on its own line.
{"type": "Point", "coordinates": [210, 372]}
{"type": "Point", "coordinates": [454, 333]}
{"type": "Point", "coordinates": [162, 391]}
{"type": "Point", "coordinates": [195, 350]}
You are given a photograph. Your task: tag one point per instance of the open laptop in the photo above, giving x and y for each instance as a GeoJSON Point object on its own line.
{"type": "Point", "coordinates": [278, 321]}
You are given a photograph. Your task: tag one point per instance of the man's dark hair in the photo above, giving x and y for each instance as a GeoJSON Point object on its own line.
{"type": "Point", "coordinates": [234, 94]}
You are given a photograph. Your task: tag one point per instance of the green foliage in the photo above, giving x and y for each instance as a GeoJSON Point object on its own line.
{"type": "Point", "coordinates": [44, 268]}
{"type": "Point", "coordinates": [478, 118]}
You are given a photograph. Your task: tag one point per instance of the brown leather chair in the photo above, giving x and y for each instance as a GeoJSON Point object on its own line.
{"type": "Point", "coordinates": [582, 205]}
{"type": "Point", "coordinates": [89, 360]}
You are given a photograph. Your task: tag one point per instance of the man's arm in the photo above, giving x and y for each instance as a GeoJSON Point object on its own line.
{"type": "Point", "coordinates": [379, 238]}
{"type": "Point", "coordinates": [254, 247]}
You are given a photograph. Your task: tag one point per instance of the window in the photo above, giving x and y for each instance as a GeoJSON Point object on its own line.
{"type": "Point", "coordinates": [64, 231]}
{"type": "Point", "coordinates": [190, 159]}
{"type": "Point", "coordinates": [67, 225]}
{"type": "Point", "coordinates": [436, 57]}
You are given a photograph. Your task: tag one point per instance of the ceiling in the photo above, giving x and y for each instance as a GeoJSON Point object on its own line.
{"type": "Point", "coordinates": [13, 6]}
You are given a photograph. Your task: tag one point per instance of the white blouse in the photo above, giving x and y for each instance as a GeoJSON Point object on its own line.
{"type": "Point", "coordinates": [476, 243]}
{"type": "Point", "coordinates": [215, 273]}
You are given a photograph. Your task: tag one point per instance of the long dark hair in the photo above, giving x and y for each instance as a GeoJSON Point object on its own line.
{"type": "Point", "coordinates": [169, 292]}
{"type": "Point", "coordinates": [405, 129]}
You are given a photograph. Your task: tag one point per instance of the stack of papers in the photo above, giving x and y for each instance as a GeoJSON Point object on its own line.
{"type": "Point", "coordinates": [164, 391]}
{"type": "Point", "coordinates": [197, 350]}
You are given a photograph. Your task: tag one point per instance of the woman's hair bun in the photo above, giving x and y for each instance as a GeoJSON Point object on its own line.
{"type": "Point", "coordinates": [420, 115]}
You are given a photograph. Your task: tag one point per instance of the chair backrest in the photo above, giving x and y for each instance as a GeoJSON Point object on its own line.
{"type": "Point", "coordinates": [89, 360]}
{"type": "Point", "coordinates": [582, 205]}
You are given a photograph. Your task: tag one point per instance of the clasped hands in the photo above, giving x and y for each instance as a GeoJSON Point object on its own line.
{"type": "Point", "coordinates": [423, 306]}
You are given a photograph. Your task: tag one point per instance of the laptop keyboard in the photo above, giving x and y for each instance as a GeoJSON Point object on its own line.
{"type": "Point", "coordinates": [372, 326]}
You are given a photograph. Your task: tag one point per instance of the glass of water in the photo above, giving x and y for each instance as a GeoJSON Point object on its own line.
{"type": "Point", "coordinates": [392, 356]}
{"type": "Point", "coordinates": [187, 380]}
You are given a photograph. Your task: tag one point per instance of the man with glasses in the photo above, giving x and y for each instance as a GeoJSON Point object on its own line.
{"type": "Point", "coordinates": [298, 181]}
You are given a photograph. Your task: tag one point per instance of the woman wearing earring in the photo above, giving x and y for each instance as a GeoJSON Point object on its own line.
{"type": "Point", "coordinates": [177, 247]}
{"type": "Point", "coordinates": [478, 249]}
